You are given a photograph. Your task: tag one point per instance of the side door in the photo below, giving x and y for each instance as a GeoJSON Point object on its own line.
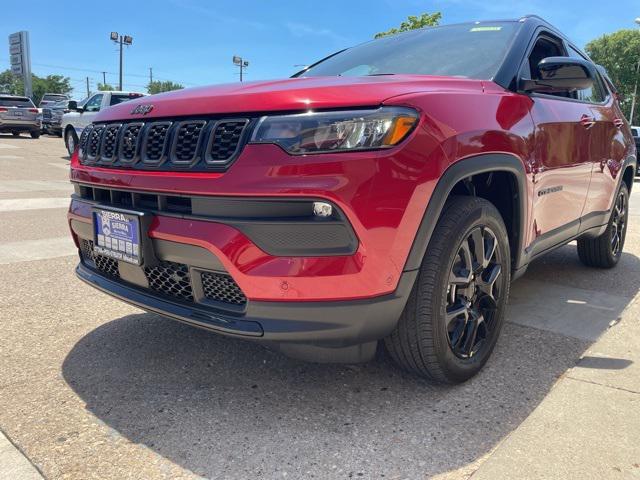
{"type": "Point", "coordinates": [89, 112]}
{"type": "Point", "coordinates": [562, 157]}
{"type": "Point", "coordinates": [607, 147]}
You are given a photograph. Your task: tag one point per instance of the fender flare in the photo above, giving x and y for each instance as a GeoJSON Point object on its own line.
{"type": "Point", "coordinates": [630, 161]}
{"type": "Point", "coordinates": [459, 170]}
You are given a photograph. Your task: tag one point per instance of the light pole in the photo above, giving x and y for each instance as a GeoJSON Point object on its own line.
{"type": "Point", "coordinates": [635, 87]}
{"type": "Point", "coordinates": [121, 40]}
{"type": "Point", "coordinates": [240, 63]}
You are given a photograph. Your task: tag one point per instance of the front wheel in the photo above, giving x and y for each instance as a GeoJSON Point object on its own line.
{"type": "Point", "coordinates": [71, 140]}
{"type": "Point", "coordinates": [605, 250]}
{"type": "Point", "coordinates": [455, 312]}
{"type": "Point", "coordinates": [35, 134]}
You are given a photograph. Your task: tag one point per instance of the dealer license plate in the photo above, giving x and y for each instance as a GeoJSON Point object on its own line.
{"type": "Point", "coordinates": [117, 235]}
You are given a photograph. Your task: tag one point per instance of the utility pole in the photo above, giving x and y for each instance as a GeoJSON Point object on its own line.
{"type": "Point", "coordinates": [104, 78]}
{"type": "Point", "coordinates": [121, 40]}
{"type": "Point", "coordinates": [150, 75]}
{"type": "Point", "coordinates": [88, 92]}
{"type": "Point", "coordinates": [240, 62]}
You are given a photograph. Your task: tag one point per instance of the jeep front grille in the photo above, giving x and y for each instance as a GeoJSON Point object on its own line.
{"type": "Point", "coordinates": [196, 144]}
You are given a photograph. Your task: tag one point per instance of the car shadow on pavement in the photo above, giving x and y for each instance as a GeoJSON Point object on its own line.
{"type": "Point", "coordinates": [227, 408]}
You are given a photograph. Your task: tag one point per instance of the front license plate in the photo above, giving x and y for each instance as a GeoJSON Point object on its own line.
{"type": "Point", "coordinates": [117, 235]}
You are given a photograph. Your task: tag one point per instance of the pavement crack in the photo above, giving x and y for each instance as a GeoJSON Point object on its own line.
{"type": "Point", "coordinates": [613, 387]}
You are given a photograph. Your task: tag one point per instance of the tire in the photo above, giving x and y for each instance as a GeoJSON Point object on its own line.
{"type": "Point", "coordinates": [15, 134]}
{"type": "Point", "coordinates": [429, 333]}
{"type": "Point", "coordinates": [605, 250]}
{"type": "Point", "coordinates": [70, 141]}
{"type": "Point", "coordinates": [35, 134]}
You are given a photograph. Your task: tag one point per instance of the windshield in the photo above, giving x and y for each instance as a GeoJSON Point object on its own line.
{"type": "Point", "coordinates": [472, 50]}
{"type": "Point", "coordinates": [16, 102]}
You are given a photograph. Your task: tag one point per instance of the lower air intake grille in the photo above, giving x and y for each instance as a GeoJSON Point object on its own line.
{"type": "Point", "coordinates": [222, 288]}
{"type": "Point", "coordinates": [106, 265]}
{"type": "Point", "coordinates": [171, 279]}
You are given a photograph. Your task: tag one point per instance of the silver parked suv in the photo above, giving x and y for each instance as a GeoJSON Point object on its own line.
{"type": "Point", "coordinates": [19, 114]}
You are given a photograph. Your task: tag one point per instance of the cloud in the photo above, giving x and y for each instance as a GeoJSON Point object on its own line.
{"type": "Point", "coordinates": [215, 14]}
{"type": "Point", "coordinates": [304, 30]}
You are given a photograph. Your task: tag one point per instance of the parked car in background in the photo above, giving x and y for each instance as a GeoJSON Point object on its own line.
{"type": "Point", "coordinates": [389, 192]}
{"type": "Point", "coordinates": [53, 98]}
{"type": "Point", "coordinates": [18, 115]}
{"type": "Point", "coordinates": [82, 114]}
{"type": "Point", "coordinates": [635, 131]}
{"type": "Point", "coordinates": [52, 117]}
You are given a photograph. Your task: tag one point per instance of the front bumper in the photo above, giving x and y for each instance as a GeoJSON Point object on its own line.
{"type": "Point", "coordinates": [323, 324]}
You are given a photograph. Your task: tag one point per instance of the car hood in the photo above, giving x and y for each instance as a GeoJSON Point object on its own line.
{"type": "Point", "coordinates": [292, 94]}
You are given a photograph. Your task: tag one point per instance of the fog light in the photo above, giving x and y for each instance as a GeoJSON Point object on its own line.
{"type": "Point", "coordinates": [322, 209]}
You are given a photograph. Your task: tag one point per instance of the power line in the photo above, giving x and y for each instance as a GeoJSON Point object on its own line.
{"type": "Point", "coordinates": [103, 72]}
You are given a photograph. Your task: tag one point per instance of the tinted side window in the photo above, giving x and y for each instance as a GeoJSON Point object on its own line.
{"type": "Point", "coordinates": [594, 94]}
{"type": "Point", "coordinates": [116, 99]}
{"type": "Point", "coordinates": [93, 105]}
{"type": "Point", "coordinates": [545, 46]}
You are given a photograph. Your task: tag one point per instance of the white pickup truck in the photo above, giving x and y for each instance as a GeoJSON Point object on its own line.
{"type": "Point", "coordinates": [83, 113]}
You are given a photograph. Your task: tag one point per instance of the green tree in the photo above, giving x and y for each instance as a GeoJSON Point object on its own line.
{"type": "Point", "coordinates": [10, 83]}
{"type": "Point", "coordinates": [105, 87]}
{"type": "Point", "coordinates": [158, 86]}
{"type": "Point", "coordinates": [413, 22]}
{"type": "Point", "coordinates": [619, 53]}
{"type": "Point", "coordinates": [49, 84]}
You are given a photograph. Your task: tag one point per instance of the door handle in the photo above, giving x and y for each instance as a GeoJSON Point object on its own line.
{"type": "Point", "coordinates": [587, 121]}
{"type": "Point", "coordinates": [618, 122]}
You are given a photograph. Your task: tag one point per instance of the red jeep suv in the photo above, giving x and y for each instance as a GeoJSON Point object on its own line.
{"type": "Point", "coordinates": [391, 191]}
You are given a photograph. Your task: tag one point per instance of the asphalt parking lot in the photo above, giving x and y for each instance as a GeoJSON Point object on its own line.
{"type": "Point", "coordinates": [93, 388]}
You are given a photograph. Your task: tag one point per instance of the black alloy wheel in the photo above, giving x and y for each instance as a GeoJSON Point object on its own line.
{"type": "Point", "coordinates": [472, 293]}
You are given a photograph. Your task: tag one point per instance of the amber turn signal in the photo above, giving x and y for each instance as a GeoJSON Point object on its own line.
{"type": "Point", "coordinates": [402, 125]}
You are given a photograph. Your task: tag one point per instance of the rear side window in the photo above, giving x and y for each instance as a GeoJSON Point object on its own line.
{"type": "Point", "coordinates": [117, 98]}
{"type": "Point", "coordinates": [23, 102]}
{"type": "Point", "coordinates": [635, 132]}
{"type": "Point", "coordinates": [594, 94]}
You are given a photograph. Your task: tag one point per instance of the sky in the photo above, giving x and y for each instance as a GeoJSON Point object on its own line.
{"type": "Point", "coordinates": [192, 41]}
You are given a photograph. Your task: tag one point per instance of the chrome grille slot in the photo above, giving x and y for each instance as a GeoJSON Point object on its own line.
{"type": "Point", "coordinates": [93, 142]}
{"type": "Point", "coordinates": [224, 140]}
{"type": "Point", "coordinates": [154, 145]}
{"type": "Point", "coordinates": [186, 142]}
{"type": "Point", "coordinates": [129, 141]}
{"type": "Point", "coordinates": [82, 144]}
{"type": "Point", "coordinates": [109, 143]}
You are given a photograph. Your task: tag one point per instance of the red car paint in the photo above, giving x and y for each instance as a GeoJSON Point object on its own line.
{"type": "Point", "coordinates": [383, 193]}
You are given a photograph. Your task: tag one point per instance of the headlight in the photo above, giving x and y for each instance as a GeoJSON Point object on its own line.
{"type": "Point", "coordinates": [349, 130]}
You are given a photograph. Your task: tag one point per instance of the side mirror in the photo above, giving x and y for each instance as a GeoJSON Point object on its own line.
{"type": "Point", "coordinates": [560, 75]}
{"type": "Point", "coordinates": [73, 105]}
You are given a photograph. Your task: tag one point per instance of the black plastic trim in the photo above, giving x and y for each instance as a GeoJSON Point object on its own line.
{"type": "Point", "coordinates": [456, 172]}
{"type": "Point", "coordinates": [284, 227]}
{"type": "Point", "coordinates": [330, 324]}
